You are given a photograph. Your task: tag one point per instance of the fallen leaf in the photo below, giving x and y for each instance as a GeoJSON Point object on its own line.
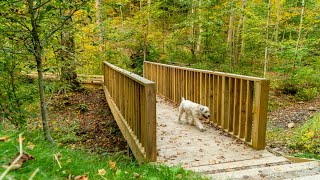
{"type": "Point", "coordinates": [81, 177]}
{"type": "Point", "coordinates": [22, 138]}
{"type": "Point", "coordinates": [212, 161]}
{"type": "Point", "coordinates": [136, 175]}
{"type": "Point", "coordinates": [4, 138]}
{"type": "Point", "coordinates": [25, 157]}
{"type": "Point", "coordinates": [112, 165]}
{"type": "Point", "coordinates": [179, 176]}
{"type": "Point", "coordinates": [220, 157]}
{"type": "Point", "coordinates": [30, 145]}
{"type": "Point", "coordinates": [101, 172]}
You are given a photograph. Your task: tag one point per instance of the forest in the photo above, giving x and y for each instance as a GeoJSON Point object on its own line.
{"type": "Point", "coordinates": [275, 39]}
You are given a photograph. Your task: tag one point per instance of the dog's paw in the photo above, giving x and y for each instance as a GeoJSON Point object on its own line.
{"type": "Point", "coordinates": [203, 129]}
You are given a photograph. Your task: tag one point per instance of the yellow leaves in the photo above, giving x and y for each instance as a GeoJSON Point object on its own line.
{"type": "Point", "coordinates": [81, 177]}
{"type": "Point", "coordinates": [112, 165]}
{"type": "Point", "coordinates": [101, 172]}
{"type": "Point", "coordinates": [30, 145]}
{"type": "Point", "coordinates": [310, 134]}
{"type": "Point", "coordinates": [4, 139]}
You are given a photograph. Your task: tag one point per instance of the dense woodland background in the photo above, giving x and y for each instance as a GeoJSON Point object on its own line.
{"type": "Point", "coordinates": [276, 39]}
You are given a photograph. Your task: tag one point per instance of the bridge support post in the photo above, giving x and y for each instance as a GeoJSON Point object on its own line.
{"type": "Point", "coordinates": [150, 125]}
{"type": "Point", "coordinates": [260, 110]}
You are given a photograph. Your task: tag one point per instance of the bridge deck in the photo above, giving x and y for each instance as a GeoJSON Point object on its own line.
{"type": "Point", "coordinates": [185, 144]}
{"type": "Point", "coordinates": [211, 151]}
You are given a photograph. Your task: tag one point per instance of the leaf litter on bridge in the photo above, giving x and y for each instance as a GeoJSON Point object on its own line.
{"type": "Point", "coordinates": [83, 119]}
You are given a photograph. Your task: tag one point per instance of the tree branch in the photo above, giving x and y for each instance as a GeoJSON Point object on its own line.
{"type": "Point", "coordinates": [36, 8]}
{"type": "Point", "coordinates": [61, 25]}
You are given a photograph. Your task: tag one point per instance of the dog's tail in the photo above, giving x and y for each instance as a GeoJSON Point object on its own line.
{"type": "Point", "coordinates": [182, 99]}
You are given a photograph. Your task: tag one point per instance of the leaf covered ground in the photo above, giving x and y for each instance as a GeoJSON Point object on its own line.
{"type": "Point", "coordinates": [89, 145]}
{"type": "Point", "coordinates": [89, 121]}
{"type": "Point", "coordinates": [291, 124]}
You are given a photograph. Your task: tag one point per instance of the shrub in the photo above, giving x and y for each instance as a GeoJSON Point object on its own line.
{"type": "Point", "coordinates": [306, 94]}
{"type": "Point", "coordinates": [307, 137]}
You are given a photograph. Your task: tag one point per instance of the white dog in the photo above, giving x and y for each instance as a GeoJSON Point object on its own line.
{"type": "Point", "coordinates": [196, 111]}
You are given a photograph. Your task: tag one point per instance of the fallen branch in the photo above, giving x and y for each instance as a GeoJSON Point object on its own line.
{"type": "Point", "coordinates": [33, 174]}
{"type": "Point", "coordinates": [55, 156]}
{"type": "Point", "coordinates": [15, 161]}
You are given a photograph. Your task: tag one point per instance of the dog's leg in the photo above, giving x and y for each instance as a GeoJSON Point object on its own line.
{"type": "Point", "coordinates": [180, 114]}
{"type": "Point", "coordinates": [187, 117]}
{"type": "Point", "coordinates": [192, 120]}
{"type": "Point", "coordinates": [200, 125]}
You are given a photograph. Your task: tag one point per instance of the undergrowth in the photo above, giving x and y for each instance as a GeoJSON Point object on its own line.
{"type": "Point", "coordinates": [302, 141]}
{"type": "Point", "coordinates": [75, 162]}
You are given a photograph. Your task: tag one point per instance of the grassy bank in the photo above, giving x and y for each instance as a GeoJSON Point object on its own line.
{"type": "Point", "coordinates": [77, 162]}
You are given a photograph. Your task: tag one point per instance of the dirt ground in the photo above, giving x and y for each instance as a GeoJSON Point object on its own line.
{"type": "Point", "coordinates": [88, 118]}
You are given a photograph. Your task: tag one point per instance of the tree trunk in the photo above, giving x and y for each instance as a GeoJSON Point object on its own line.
{"type": "Point", "coordinates": [193, 46]}
{"type": "Point", "coordinates": [146, 33]}
{"type": "Point", "coordinates": [230, 36]}
{"type": "Point", "coordinates": [266, 53]}
{"type": "Point", "coordinates": [238, 36]}
{"type": "Point", "coordinates": [200, 30]}
{"type": "Point", "coordinates": [99, 23]}
{"type": "Point", "coordinates": [67, 55]}
{"type": "Point", "coordinates": [38, 58]}
{"type": "Point", "coordinates": [299, 34]}
{"type": "Point", "coordinates": [277, 21]}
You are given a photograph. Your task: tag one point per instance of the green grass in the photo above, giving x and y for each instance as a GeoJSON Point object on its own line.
{"type": "Point", "coordinates": [76, 162]}
{"type": "Point", "coordinates": [303, 140]}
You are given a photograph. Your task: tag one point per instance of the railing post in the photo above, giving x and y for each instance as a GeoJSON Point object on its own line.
{"type": "Point", "coordinates": [261, 95]}
{"type": "Point", "coordinates": [150, 117]}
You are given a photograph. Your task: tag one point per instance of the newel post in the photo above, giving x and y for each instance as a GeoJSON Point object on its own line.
{"type": "Point", "coordinates": [150, 116]}
{"type": "Point", "coordinates": [260, 109]}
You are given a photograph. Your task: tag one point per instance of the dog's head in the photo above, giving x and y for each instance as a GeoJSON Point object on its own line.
{"type": "Point", "coordinates": [205, 111]}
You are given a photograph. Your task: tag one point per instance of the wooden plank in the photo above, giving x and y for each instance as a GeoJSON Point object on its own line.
{"type": "Point", "coordinates": [222, 105]}
{"type": "Point", "coordinates": [236, 107]}
{"type": "Point", "coordinates": [260, 109]}
{"type": "Point", "coordinates": [231, 104]}
{"type": "Point", "coordinates": [249, 105]}
{"type": "Point", "coordinates": [142, 100]}
{"type": "Point", "coordinates": [131, 75]}
{"type": "Point", "coordinates": [211, 100]}
{"type": "Point", "coordinates": [219, 97]}
{"type": "Point", "coordinates": [225, 103]}
{"type": "Point", "coordinates": [150, 114]}
{"type": "Point", "coordinates": [256, 172]}
{"type": "Point", "coordinates": [243, 93]}
{"type": "Point", "coordinates": [250, 78]}
{"type": "Point", "coordinates": [215, 89]}
{"type": "Point", "coordinates": [239, 164]}
{"type": "Point", "coordinates": [132, 140]}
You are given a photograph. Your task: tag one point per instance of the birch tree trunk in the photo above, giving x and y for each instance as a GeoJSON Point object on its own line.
{"type": "Point", "coordinates": [193, 46]}
{"type": "Point", "coordinates": [299, 34]}
{"type": "Point", "coordinates": [277, 21]}
{"type": "Point", "coordinates": [200, 29]}
{"type": "Point", "coordinates": [146, 33]}
{"type": "Point", "coordinates": [37, 47]}
{"type": "Point", "coordinates": [99, 23]}
{"type": "Point", "coordinates": [266, 53]}
{"type": "Point", "coordinates": [230, 36]}
{"type": "Point", "coordinates": [239, 30]}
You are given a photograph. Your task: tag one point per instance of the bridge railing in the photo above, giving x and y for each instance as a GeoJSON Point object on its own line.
{"type": "Point", "coordinates": [132, 100]}
{"type": "Point", "coordinates": [238, 104]}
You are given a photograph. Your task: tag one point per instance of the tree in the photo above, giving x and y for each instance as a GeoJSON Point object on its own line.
{"type": "Point", "coordinates": [266, 53]}
{"type": "Point", "coordinates": [299, 34]}
{"type": "Point", "coordinates": [36, 22]}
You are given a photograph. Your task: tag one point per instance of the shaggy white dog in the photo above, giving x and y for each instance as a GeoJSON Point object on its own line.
{"type": "Point", "coordinates": [196, 111]}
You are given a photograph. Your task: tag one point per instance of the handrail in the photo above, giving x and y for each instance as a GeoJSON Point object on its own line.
{"type": "Point", "coordinates": [132, 100]}
{"type": "Point", "coordinates": [238, 104]}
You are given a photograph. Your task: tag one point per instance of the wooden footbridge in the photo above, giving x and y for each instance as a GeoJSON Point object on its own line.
{"type": "Point", "coordinates": [233, 145]}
